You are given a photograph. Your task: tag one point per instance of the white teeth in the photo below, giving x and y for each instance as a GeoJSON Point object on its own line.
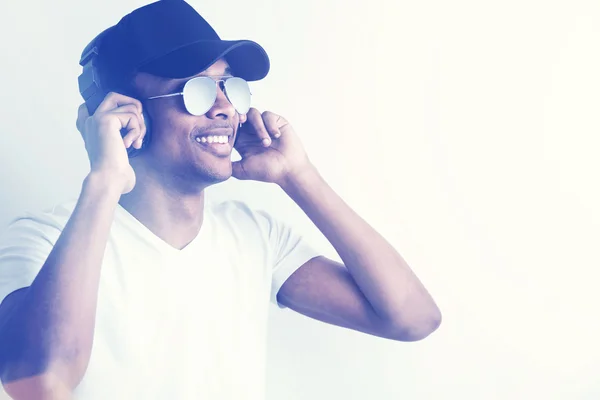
{"type": "Point", "coordinates": [212, 139]}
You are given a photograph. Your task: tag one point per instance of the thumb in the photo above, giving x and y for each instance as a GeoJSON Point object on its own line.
{"type": "Point", "coordinates": [238, 171]}
{"type": "Point", "coordinates": [82, 116]}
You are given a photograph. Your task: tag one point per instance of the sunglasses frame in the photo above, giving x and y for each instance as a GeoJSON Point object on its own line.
{"type": "Point", "coordinates": [221, 82]}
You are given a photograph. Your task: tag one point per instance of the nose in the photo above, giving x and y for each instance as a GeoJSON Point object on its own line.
{"type": "Point", "coordinates": [222, 109]}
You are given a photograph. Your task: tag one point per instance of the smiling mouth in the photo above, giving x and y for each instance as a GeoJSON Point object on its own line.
{"type": "Point", "coordinates": [210, 139]}
{"type": "Point", "coordinates": [218, 145]}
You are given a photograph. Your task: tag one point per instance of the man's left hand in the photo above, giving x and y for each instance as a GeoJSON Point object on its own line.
{"type": "Point", "coordinates": [270, 149]}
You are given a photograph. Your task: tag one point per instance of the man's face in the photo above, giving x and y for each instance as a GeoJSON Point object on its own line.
{"type": "Point", "coordinates": [180, 141]}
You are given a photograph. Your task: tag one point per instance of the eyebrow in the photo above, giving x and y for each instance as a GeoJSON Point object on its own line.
{"type": "Point", "coordinates": [177, 86]}
{"type": "Point", "coordinates": [228, 72]}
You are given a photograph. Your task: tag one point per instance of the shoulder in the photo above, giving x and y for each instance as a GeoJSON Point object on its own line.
{"type": "Point", "coordinates": [237, 212]}
{"type": "Point", "coordinates": [47, 224]}
{"type": "Point", "coordinates": [240, 219]}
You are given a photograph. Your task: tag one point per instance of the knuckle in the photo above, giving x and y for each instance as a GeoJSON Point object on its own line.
{"type": "Point", "coordinates": [133, 119]}
{"type": "Point", "coordinates": [136, 107]}
{"type": "Point", "coordinates": [98, 118]}
{"type": "Point", "coordinates": [135, 103]}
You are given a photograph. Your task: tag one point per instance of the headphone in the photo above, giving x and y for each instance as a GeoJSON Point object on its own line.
{"type": "Point", "coordinates": [91, 88]}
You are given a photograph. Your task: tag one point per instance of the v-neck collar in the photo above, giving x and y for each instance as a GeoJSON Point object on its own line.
{"type": "Point", "coordinates": [139, 228]}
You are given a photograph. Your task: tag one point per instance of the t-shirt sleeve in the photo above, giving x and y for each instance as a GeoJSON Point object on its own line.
{"type": "Point", "coordinates": [24, 247]}
{"type": "Point", "coordinates": [290, 251]}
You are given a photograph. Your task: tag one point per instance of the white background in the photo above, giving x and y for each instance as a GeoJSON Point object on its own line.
{"type": "Point", "coordinates": [466, 132]}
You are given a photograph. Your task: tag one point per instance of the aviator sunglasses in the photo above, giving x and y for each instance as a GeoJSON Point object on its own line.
{"type": "Point", "coordinates": [200, 93]}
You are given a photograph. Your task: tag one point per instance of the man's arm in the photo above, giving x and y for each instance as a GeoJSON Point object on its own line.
{"type": "Point", "coordinates": [46, 329]}
{"type": "Point", "coordinates": [375, 291]}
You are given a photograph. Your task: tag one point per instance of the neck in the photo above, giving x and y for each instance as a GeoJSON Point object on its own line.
{"type": "Point", "coordinates": [168, 207]}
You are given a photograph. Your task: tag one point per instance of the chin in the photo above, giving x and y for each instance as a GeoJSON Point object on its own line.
{"type": "Point", "coordinates": [214, 174]}
{"type": "Point", "coordinates": [214, 179]}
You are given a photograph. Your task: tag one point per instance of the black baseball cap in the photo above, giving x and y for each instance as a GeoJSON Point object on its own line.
{"type": "Point", "coordinates": [168, 38]}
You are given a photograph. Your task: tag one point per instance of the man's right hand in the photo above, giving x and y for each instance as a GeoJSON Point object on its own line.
{"type": "Point", "coordinates": [106, 147]}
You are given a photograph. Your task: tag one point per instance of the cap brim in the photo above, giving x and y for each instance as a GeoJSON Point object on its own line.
{"type": "Point", "coordinates": [246, 58]}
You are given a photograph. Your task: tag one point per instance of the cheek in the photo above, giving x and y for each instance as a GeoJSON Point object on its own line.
{"type": "Point", "coordinates": [171, 128]}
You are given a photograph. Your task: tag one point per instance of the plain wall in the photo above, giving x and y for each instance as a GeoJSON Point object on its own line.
{"type": "Point", "coordinates": [466, 132]}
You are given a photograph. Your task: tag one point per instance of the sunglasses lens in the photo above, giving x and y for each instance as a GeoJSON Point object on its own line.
{"type": "Point", "coordinates": [238, 93]}
{"type": "Point", "coordinates": [199, 95]}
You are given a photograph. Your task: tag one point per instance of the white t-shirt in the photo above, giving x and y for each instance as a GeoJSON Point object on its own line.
{"type": "Point", "coordinates": [172, 324]}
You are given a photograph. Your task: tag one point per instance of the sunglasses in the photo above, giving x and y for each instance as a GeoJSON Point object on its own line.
{"type": "Point", "coordinates": [200, 93]}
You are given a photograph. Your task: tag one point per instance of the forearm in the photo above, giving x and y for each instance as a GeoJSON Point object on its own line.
{"type": "Point", "coordinates": [51, 327]}
{"type": "Point", "coordinates": [384, 278]}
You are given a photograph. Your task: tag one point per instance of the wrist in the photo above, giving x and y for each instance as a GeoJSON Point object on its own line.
{"type": "Point", "coordinates": [99, 184]}
{"type": "Point", "coordinates": [307, 176]}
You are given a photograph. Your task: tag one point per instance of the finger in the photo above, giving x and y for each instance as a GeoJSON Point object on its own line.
{"type": "Point", "coordinates": [133, 130]}
{"type": "Point", "coordinates": [127, 108]}
{"type": "Point", "coordinates": [132, 109]}
{"type": "Point", "coordinates": [134, 137]}
{"type": "Point", "coordinates": [140, 140]}
{"type": "Point", "coordinates": [272, 123]}
{"type": "Point", "coordinates": [114, 100]}
{"type": "Point", "coordinates": [256, 121]}
{"type": "Point", "coordinates": [131, 125]}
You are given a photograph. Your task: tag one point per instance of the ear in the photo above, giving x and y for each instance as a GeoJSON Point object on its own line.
{"type": "Point", "coordinates": [243, 118]}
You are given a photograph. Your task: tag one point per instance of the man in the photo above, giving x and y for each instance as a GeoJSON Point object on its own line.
{"type": "Point", "coordinates": [140, 290]}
